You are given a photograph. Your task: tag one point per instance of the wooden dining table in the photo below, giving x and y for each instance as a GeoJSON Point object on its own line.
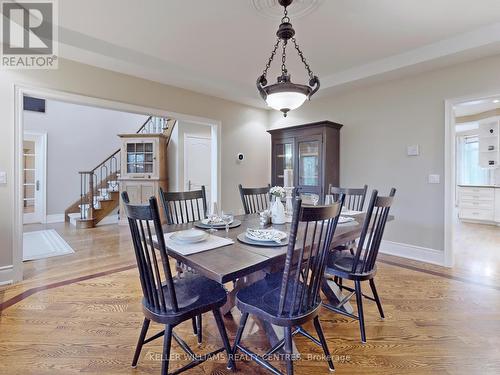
{"type": "Point", "coordinates": [244, 264]}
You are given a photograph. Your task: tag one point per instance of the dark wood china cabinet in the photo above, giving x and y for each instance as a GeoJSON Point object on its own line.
{"type": "Point", "coordinates": [312, 151]}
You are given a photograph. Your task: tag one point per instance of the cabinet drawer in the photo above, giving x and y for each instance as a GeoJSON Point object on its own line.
{"type": "Point", "coordinates": [477, 204]}
{"type": "Point", "coordinates": [477, 194]}
{"type": "Point", "coordinates": [477, 214]}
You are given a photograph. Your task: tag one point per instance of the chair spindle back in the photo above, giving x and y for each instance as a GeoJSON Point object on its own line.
{"type": "Point", "coordinates": [354, 197]}
{"type": "Point", "coordinates": [141, 218]}
{"type": "Point", "coordinates": [184, 206]}
{"type": "Point", "coordinates": [372, 232]}
{"type": "Point", "coordinates": [254, 199]}
{"type": "Point", "coordinates": [304, 268]}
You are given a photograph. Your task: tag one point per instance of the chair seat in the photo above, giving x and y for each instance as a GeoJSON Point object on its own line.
{"type": "Point", "coordinates": [340, 264]}
{"type": "Point", "coordinates": [196, 295]}
{"type": "Point", "coordinates": [262, 299]}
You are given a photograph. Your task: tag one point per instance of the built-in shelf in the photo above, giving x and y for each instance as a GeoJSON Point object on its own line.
{"type": "Point", "coordinates": [489, 138]}
{"type": "Point", "coordinates": [315, 154]}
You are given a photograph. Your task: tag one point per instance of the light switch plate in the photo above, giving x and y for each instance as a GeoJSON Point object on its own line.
{"type": "Point", "coordinates": [413, 150]}
{"type": "Point", "coordinates": [434, 179]}
{"type": "Point", "coordinates": [3, 177]}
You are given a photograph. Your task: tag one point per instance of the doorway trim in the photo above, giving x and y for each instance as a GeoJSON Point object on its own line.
{"type": "Point", "coordinates": [450, 168]}
{"type": "Point", "coordinates": [46, 93]}
{"type": "Point", "coordinates": [41, 168]}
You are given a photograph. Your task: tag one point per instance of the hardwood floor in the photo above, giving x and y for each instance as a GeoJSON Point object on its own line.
{"type": "Point", "coordinates": [477, 251]}
{"type": "Point", "coordinates": [82, 313]}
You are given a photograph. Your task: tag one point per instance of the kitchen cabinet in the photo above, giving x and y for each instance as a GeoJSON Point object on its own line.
{"type": "Point", "coordinates": [479, 204]}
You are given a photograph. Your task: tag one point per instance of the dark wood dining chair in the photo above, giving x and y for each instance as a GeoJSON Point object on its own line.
{"type": "Point", "coordinates": [183, 207]}
{"type": "Point", "coordinates": [254, 199]}
{"type": "Point", "coordinates": [355, 201]}
{"type": "Point", "coordinates": [290, 298]}
{"type": "Point", "coordinates": [354, 197]}
{"type": "Point", "coordinates": [170, 300]}
{"type": "Point", "coordinates": [362, 265]}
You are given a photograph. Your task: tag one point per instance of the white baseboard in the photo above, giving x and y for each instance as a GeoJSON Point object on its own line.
{"type": "Point", "coordinates": [422, 254]}
{"type": "Point", "coordinates": [6, 275]}
{"type": "Point", "coordinates": [54, 218]}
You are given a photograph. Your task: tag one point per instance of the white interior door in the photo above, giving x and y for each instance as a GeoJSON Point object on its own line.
{"type": "Point", "coordinates": [197, 163]}
{"type": "Point", "coordinates": [34, 177]}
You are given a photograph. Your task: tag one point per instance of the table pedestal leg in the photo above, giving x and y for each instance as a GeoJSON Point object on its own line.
{"type": "Point", "coordinates": [334, 295]}
{"type": "Point", "coordinates": [240, 284]}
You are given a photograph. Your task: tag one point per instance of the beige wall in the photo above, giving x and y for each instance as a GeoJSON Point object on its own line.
{"type": "Point", "coordinates": [380, 121]}
{"type": "Point", "coordinates": [70, 129]}
{"type": "Point", "coordinates": [239, 124]}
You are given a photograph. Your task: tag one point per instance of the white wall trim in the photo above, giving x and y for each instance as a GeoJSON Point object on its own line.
{"type": "Point", "coordinates": [54, 218]}
{"type": "Point", "coordinates": [41, 166]}
{"type": "Point", "coordinates": [19, 90]}
{"type": "Point", "coordinates": [6, 275]}
{"type": "Point", "coordinates": [422, 254]}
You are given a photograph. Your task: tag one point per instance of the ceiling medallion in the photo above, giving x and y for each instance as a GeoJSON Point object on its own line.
{"type": "Point", "coordinates": [272, 8]}
{"type": "Point", "coordinates": [284, 95]}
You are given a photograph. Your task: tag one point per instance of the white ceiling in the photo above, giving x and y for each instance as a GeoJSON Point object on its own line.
{"type": "Point", "coordinates": [219, 47]}
{"type": "Point", "coordinates": [476, 106]}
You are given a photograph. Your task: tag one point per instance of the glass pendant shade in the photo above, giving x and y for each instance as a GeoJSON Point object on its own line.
{"type": "Point", "coordinates": [285, 101]}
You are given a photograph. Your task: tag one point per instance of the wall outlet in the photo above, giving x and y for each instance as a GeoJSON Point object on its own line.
{"type": "Point", "coordinates": [413, 150]}
{"type": "Point", "coordinates": [3, 177]}
{"type": "Point", "coordinates": [434, 179]}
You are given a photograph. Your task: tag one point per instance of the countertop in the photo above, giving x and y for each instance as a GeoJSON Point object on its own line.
{"type": "Point", "coordinates": [480, 186]}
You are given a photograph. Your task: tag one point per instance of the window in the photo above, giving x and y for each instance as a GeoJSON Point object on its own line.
{"type": "Point", "coordinates": [468, 170]}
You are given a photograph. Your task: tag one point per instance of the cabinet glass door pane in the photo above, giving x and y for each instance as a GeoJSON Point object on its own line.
{"type": "Point", "coordinates": [284, 160]}
{"type": "Point", "coordinates": [309, 163]}
{"type": "Point", "coordinates": [140, 158]}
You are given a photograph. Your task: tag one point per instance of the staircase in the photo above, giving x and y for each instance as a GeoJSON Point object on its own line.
{"type": "Point", "coordinates": [99, 187]}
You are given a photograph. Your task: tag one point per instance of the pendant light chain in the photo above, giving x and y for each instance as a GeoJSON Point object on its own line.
{"type": "Point", "coordinates": [273, 53]}
{"type": "Point", "coordinates": [283, 57]}
{"type": "Point", "coordinates": [309, 71]}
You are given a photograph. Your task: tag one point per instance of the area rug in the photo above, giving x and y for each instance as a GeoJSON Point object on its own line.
{"type": "Point", "coordinates": [44, 244]}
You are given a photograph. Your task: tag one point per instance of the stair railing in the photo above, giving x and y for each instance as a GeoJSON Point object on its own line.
{"type": "Point", "coordinates": [105, 175]}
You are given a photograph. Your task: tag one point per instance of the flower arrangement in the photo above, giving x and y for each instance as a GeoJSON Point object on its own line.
{"type": "Point", "coordinates": [278, 192]}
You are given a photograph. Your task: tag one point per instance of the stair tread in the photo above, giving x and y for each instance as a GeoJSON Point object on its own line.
{"type": "Point", "coordinates": [89, 219]}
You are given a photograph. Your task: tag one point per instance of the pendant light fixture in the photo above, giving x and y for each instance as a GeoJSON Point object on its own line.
{"type": "Point", "coordinates": [284, 95]}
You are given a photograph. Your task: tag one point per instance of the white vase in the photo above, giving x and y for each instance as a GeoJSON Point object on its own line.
{"type": "Point", "coordinates": [277, 212]}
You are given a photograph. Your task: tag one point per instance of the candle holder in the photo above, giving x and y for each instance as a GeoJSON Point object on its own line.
{"type": "Point", "coordinates": [289, 203]}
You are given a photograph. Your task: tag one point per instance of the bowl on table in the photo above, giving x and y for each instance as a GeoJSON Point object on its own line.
{"type": "Point", "coordinates": [189, 236]}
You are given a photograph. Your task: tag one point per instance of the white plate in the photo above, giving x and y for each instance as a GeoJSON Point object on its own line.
{"type": "Point", "coordinates": [216, 224]}
{"type": "Point", "coordinates": [348, 212]}
{"type": "Point", "coordinates": [265, 235]}
{"type": "Point", "coordinates": [189, 236]}
{"type": "Point", "coordinates": [345, 219]}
